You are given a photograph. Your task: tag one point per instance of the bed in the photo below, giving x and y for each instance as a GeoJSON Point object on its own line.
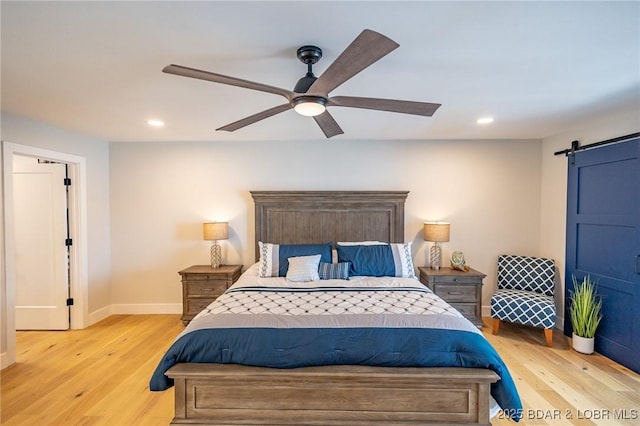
{"type": "Point", "coordinates": [309, 371]}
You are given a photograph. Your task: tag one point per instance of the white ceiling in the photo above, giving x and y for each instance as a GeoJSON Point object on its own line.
{"type": "Point", "coordinates": [537, 67]}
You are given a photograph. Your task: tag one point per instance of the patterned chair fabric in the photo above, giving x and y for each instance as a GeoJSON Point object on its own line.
{"type": "Point", "coordinates": [526, 273]}
{"type": "Point", "coordinates": [525, 291]}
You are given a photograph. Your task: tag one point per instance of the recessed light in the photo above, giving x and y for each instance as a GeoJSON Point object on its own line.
{"type": "Point", "coordinates": [155, 123]}
{"type": "Point", "coordinates": [484, 120]}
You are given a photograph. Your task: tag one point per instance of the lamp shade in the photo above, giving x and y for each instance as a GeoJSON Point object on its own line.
{"type": "Point", "coordinates": [436, 231]}
{"type": "Point", "coordinates": [215, 231]}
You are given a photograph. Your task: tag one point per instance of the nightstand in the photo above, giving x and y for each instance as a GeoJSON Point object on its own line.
{"type": "Point", "coordinates": [202, 284]}
{"type": "Point", "coordinates": [462, 290]}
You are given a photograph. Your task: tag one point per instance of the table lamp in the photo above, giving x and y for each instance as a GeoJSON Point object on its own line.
{"type": "Point", "coordinates": [436, 232]}
{"type": "Point", "coordinates": [214, 231]}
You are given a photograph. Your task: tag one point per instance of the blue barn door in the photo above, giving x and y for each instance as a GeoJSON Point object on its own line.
{"type": "Point", "coordinates": [603, 240]}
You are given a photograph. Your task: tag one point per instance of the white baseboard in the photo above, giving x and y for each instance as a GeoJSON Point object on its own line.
{"type": "Point", "coordinates": [4, 360]}
{"type": "Point", "coordinates": [99, 315]}
{"type": "Point", "coordinates": [486, 311]}
{"type": "Point", "coordinates": [134, 309]}
{"type": "Point", "coordinates": [146, 308]}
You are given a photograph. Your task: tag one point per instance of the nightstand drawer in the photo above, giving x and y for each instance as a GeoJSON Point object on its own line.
{"type": "Point", "coordinates": [200, 277]}
{"type": "Point", "coordinates": [206, 288]}
{"type": "Point", "coordinates": [469, 310]}
{"type": "Point", "coordinates": [455, 279]}
{"type": "Point", "coordinates": [194, 306]}
{"type": "Point", "coordinates": [456, 293]}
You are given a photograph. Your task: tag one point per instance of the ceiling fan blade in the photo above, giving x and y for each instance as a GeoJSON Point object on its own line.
{"type": "Point", "coordinates": [366, 49]}
{"type": "Point", "coordinates": [393, 105]}
{"type": "Point", "coordinates": [328, 125]}
{"type": "Point", "coordinates": [223, 79]}
{"type": "Point", "coordinates": [255, 118]}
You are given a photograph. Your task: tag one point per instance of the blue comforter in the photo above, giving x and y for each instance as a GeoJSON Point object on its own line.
{"type": "Point", "coordinates": [293, 327]}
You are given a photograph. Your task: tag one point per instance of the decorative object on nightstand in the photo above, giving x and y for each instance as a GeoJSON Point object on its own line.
{"type": "Point", "coordinates": [214, 231]}
{"type": "Point", "coordinates": [436, 232]}
{"type": "Point", "coordinates": [202, 284]}
{"type": "Point", "coordinates": [458, 262]}
{"type": "Point", "coordinates": [462, 290]}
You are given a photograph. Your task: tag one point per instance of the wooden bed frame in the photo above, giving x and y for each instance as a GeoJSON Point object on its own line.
{"type": "Point", "coordinates": [225, 394]}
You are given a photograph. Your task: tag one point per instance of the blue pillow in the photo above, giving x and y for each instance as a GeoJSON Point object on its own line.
{"type": "Point", "coordinates": [334, 271]}
{"type": "Point", "coordinates": [274, 257]}
{"type": "Point", "coordinates": [385, 260]}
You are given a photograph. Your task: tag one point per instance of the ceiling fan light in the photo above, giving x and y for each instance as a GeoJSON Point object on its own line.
{"type": "Point", "coordinates": [309, 106]}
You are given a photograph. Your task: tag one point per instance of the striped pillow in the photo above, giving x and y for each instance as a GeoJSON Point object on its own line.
{"type": "Point", "coordinates": [334, 271]}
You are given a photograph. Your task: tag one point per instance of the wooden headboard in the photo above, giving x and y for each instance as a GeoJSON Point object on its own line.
{"type": "Point", "coordinates": [305, 217]}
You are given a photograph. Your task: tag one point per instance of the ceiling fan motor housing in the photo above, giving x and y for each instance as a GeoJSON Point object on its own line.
{"type": "Point", "coordinates": [307, 55]}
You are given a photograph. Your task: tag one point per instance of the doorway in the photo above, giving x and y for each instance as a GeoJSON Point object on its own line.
{"type": "Point", "coordinates": [78, 288]}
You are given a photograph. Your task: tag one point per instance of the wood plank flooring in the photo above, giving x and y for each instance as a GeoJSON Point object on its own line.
{"type": "Point", "coordinates": [100, 375]}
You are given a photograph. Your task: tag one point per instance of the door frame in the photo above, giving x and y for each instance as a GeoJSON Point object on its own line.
{"type": "Point", "coordinates": [78, 230]}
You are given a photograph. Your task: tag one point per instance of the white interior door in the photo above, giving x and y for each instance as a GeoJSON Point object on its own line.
{"type": "Point", "coordinates": [41, 260]}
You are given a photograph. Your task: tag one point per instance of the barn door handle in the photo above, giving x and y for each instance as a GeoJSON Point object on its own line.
{"type": "Point", "coordinates": [636, 264]}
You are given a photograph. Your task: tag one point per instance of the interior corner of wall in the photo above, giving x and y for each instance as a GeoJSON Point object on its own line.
{"type": "Point", "coordinates": [99, 314]}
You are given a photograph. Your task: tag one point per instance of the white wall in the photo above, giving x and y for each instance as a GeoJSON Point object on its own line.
{"type": "Point", "coordinates": [162, 192]}
{"type": "Point", "coordinates": [554, 184]}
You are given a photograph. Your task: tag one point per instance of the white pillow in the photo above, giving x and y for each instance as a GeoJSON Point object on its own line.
{"type": "Point", "coordinates": [303, 268]}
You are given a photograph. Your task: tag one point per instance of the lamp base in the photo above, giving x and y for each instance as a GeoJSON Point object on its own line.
{"type": "Point", "coordinates": [216, 255]}
{"type": "Point", "coordinates": [434, 256]}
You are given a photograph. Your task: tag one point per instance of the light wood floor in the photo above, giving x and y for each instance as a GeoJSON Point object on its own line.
{"type": "Point", "coordinates": [99, 376]}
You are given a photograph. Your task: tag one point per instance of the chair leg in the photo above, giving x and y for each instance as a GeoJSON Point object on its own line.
{"type": "Point", "coordinates": [548, 335]}
{"type": "Point", "coordinates": [496, 325]}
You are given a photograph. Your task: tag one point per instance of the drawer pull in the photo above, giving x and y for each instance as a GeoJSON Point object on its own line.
{"type": "Point", "coordinates": [454, 293]}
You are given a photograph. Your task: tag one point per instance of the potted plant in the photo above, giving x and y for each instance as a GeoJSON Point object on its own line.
{"type": "Point", "coordinates": [585, 311]}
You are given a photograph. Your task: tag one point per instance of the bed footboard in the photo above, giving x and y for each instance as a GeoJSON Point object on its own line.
{"type": "Point", "coordinates": [225, 394]}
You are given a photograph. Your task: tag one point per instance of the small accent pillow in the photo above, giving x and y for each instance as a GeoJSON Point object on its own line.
{"type": "Point", "coordinates": [334, 271]}
{"type": "Point", "coordinates": [303, 268]}
{"type": "Point", "coordinates": [388, 260]}
{"type": "Point", "coordinates": [273, 257]}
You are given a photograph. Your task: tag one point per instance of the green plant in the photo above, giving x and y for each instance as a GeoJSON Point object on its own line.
{"type": "Point", "coordinates": [585, 307]}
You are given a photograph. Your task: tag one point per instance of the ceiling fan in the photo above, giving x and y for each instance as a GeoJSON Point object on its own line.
{"type": "Point", "coordinates": [310, 96]}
